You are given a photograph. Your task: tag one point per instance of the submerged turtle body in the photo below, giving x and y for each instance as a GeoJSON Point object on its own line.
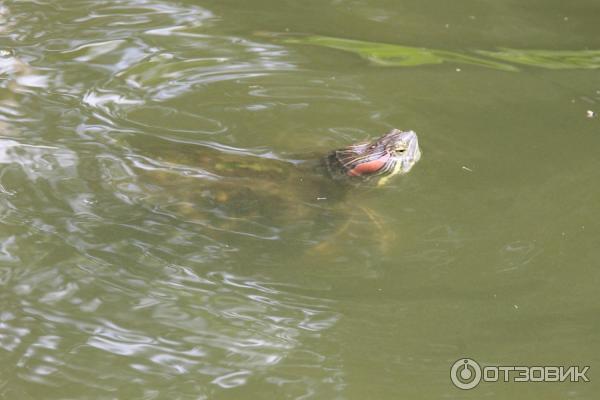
{"type": "Point", "coordinates": [237, 192]}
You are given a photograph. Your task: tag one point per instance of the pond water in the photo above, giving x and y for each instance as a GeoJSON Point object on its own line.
{"type": "Point", "coordinates": [127, 271]}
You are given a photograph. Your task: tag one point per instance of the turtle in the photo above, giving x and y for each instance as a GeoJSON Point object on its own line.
{"type": "Point", "coordinates": [234, 191]}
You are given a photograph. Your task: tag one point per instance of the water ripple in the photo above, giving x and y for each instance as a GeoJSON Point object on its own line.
{"type": "Point", "coordinates": [120, 261]}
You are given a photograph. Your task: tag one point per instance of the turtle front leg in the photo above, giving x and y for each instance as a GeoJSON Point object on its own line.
{"type": "Point", "coordinates": [377, 229]}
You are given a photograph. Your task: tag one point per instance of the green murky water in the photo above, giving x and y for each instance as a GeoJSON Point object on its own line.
{"type": "Point", "coordinates": [116, 285]}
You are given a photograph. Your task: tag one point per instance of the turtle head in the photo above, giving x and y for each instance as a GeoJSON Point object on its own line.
{"type": "Point", "coordinates": [394, 153]}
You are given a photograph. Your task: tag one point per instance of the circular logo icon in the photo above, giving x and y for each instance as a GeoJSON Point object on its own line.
{"type": "Point", "coordinates": [465, 373]}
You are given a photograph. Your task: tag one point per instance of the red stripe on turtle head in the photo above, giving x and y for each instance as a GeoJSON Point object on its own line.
{"type": "Point", "coordinates": [369, 167]}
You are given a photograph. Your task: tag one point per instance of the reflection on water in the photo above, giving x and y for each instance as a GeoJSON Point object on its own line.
{"type": "Point", "coordinates": [104, 283]}
{"type": "Point", "coordinates": [551, 59]}
{"type": "Point", "coordinates": [114, 273]}
{"type": "Point", "coordinates": [220, 328]}
{"type": "Point", "coordinates": [397, 56]}
{"type": "Point", "coordinates": [385, 54]}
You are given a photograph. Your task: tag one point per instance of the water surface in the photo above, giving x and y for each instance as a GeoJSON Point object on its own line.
{"type": "Point", "coordinates": [119, 278]}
